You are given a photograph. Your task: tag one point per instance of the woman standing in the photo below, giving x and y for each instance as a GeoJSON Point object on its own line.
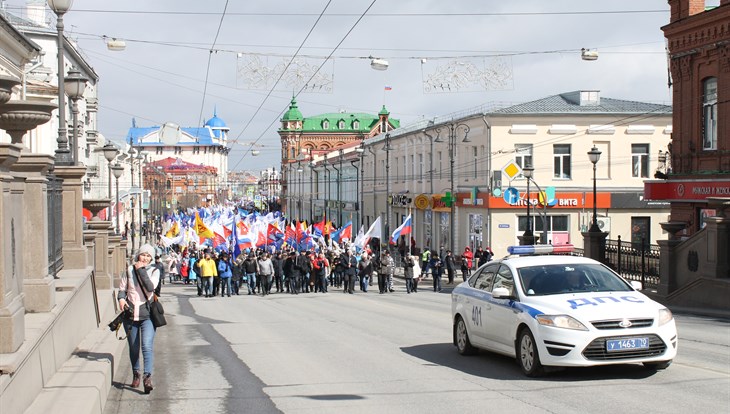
{"type": "Point", "coordinates": [136, 289]}
{"type": "Point", "coordinates": [466, 262]}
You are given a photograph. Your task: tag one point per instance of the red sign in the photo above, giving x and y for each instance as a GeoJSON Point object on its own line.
{"type": "Point", "coordinates": [563, 200]}
{"type": "Point", "coordinates": [686, 190]}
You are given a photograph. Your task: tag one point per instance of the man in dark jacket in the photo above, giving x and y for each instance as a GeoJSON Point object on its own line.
{"type": "Point", "coordinates": [450, 265]}
{"type": "Point", "coordinates": [278, 263]}
{"type": "Point", "coordinates": [250, 268]}
{"type": "Point", "coordinates": [350, 262]}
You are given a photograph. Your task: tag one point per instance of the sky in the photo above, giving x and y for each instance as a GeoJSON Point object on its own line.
{"type": "Point", "coordinates": [185, 60]}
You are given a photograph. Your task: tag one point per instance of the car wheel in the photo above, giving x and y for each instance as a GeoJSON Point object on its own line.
{"type": "Point", "coordinates": [658, 366]}
{"type": "Point", "coordinates": [462, 338]}
{"type": "Point", "coordinates": [527, 355]}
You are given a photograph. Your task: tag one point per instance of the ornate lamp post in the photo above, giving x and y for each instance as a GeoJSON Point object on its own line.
{"type": "Point", "coordinates": [110, 152]}
{"type": "Point", "coordinates": [75, 84]}
{"type": "Point", "coordinates": [528, 237]}
{"type": "Point", "coordinates": [117, 170]}
{"type": "Point", "coordinates": [387, 149]}
{"type": "Point", "coordinates": [594, 155]}
{"type": "Point", "coordinates": [63, 155]}
{"type": "Point", "coordinates": [453, 129]}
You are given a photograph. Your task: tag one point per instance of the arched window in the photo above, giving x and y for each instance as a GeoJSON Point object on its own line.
{"type": "Point", "coordinates": [356, 125]}
{"type": "Point", "coordinates": [325, 124]}
{"type": "Point", "coordinates": [341, 124]}
{"type": "Point", "coordinates": [709, 114]}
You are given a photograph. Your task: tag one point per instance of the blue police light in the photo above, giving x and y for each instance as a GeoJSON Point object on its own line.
{"type": "Point", "coordinates": [540, 249]}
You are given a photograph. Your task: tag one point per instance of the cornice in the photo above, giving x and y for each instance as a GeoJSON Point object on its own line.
{"type": "Point", "coordinates": [699, 32]}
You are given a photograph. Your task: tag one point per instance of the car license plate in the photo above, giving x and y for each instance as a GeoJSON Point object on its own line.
{"type": "Point", "coordinates": [626, 343]}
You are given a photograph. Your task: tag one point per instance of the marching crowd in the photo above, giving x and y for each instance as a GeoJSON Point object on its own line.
{"type": "Point", "coordinates": [262, 271]}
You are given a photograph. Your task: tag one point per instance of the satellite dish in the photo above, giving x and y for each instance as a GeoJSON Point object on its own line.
{"type": "Point", "coordinates": [170, 134]}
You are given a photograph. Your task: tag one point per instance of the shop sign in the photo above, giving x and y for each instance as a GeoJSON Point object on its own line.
{"type": "Point", "coordinates": [438, 204]}
{"type": "Point", "coordinates": [421, 202]}
{"type": "Point", "coordinates": [686, 190]}
{"type": "Point", "coordinates": [400, 200]}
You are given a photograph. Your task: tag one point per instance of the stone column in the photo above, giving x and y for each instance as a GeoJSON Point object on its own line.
{"type": "Point", "coordinates": [594, 245]}
{"type": "Point", "coordinates": [74, 252]}
{"type": "Point", "coordinates": [38, 285]}
{"type": "Point", "coordinates": [668, 258]}
{"type": "Point", "coordinates": [719, 235]}
{"type": "Point", "coordinates": [101, 255]}
{"type": "Point", "coordinates": [12, 310]}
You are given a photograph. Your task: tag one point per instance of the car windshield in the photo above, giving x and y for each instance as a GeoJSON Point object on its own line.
{"type": "Point", "coordinates": [569, 278]}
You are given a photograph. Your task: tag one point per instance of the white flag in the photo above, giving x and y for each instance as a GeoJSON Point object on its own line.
{"type": "Point", "coordinates": [375, 231]}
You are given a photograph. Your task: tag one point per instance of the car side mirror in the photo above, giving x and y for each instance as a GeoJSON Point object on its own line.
{"type": "Point", "coordinates": [501, 293]}
{"type": "Point", "coordinates": [636, 284]}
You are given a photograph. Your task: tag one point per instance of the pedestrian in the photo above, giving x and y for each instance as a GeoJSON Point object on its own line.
{"type": "Point", "coordinates": [250, 267]}
{"type": "Point", "coordinates": [365, 270]}
{"type": "Point", "coordinates": [136, 289]}
{"type": "Point", "coordinates": [278, 263]}
{"type": "Point", "coordinates": [350, 263]}
{"type": "Point", "coordinates": [466, 262]}
{"type": "Point", "coordinates": [225, 273]}
{"type": "Point", "coordinates": [237, 274]}
{"type": "Point", "coordinates": [265, 273]}
{"type": "Point", "coordinates": [289, 270]}
{"type": "Point", "coordinates": [408, 265]}
{"type": "Point", "coordinates": [319, 267]}
{"type": "Point", "coordinates": [417, 272]}
{"type": "Point", "coordinates": [207, 270]}
{"type": "Point", "coordinates": [450, 265]}
{"type": "Point", "coordinates": [436, 266]}
{"type": "Point", "coordinates": [387, 268]}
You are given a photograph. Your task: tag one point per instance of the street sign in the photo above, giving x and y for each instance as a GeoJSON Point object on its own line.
{"type": "Point", "coordinates": [512, 170]}
{"type": "Point", "coordinates": [511, 195]}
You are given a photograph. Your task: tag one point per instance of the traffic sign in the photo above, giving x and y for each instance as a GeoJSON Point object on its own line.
{"type": "Point", "coordinates": [512, 170]}
{"type": "Point", "coordinates": [511, 195]}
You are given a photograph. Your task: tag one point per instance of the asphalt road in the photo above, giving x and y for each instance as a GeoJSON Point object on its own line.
{"type": "Point", "coordinates": [391, 353]}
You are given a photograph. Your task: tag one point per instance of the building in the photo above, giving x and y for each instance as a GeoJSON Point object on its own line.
{"type": "Point", "coordinates": [303, 139]}
{"type": "Point", "coordinates": [695, 267]}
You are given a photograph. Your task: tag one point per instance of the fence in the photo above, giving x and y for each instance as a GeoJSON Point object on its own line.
{"type": "Point", "coordinates": [54, 197]}
{"type": "Point", "coordinates": [634, 261]}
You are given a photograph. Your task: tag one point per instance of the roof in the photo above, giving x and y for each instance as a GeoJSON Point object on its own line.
{"type": "Point", "coordinates": [190, 136]}
{"type": "Point", "coordinates": [365, 122]}
{"type": "Point", "coordinates": [215, 122]}
{"type": "Point", "coordinates": [570, 103]}
{"type": "Point", "coordinates": [170, 164]}
{"type": "Point", "coordinates": [293, 114]}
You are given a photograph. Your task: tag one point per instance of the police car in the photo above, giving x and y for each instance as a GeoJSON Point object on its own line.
{"type": "Point", "coordinates": [559, 310]}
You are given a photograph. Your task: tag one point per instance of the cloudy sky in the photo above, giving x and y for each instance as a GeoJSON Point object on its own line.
{"type": "Point", "coordinates": [184, 59]}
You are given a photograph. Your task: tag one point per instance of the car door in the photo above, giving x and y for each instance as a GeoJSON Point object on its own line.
{"type": "Point", "coordinates": [479, 302]}
{"type": "Point", "coordinates": [503, 313]}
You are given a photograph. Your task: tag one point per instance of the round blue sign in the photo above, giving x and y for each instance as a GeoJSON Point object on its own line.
{"type": "Point", "coordinates": [511, 195]}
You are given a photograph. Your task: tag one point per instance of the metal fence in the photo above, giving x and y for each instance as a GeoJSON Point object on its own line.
{"type": "Point", "coordinates": [634, 261]}
{"type": "Point", "coordinates": [54, 196]}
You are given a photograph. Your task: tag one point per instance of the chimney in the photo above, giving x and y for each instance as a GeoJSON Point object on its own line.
{"type": "Point", "coordinates": [681, 9]}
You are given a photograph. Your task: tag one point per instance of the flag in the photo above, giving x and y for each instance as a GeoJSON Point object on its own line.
{"type": "Point", "coordinates": [343, 233]}
{"type": "Point", "coordinates": [236, 246]}
{"type": "Point", "coordinates": [388, 88]}
{"type": "Point", "coordinates": [374, 232]}
{"type": "Point", "coordinates": [201, 229]}
{"type": "Point", "coordinates": [273, 233]}
{"type": "Point", "coordinates": [404, 228]}
{"type": "Point", "coordinates": [174, 231]}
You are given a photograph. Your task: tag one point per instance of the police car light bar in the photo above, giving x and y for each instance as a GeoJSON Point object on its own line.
{"type": "Point", "coordinates": [540, 249]}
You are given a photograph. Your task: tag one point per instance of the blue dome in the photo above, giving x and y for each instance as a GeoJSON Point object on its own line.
{"type": "Point", "coordinates": [216, 122]}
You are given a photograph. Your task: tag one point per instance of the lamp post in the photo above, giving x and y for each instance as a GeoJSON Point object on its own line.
{"type": "Point", "coordinates": [117, 170]}
{"type": "Point", "coordinates": [299, 190]}
{"type": "Point", "coordinates": [453, 130]}
{"type": "Point", "coordinates": [131, 187]}
{"type": "Point", "coordinates": [140, 157]}
{"type": "Point", "coordinates": [527, 237]}
{"type": "Point", "coordinates": [75, 84]}
{"type": "Point", "coordinates": [326, 188]}
{"type": "Point", "coordinates": [387, 149]}
{"type": "Point", "coordinates": [63, 155]}
{"type": "Point", "coordinates": [360, 183]}
{"type": "Point", "coordinates": [594, 155]}
{"type": "Point", "coordinates": [110, 152]}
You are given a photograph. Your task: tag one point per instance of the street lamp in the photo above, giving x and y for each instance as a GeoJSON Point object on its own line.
{"type": "Point", "coordinates": [63, 155]}
{"type": "Point", "coordinates": [527, 235]}
{"type": "Point", "coordinates": [594, 155]}
{"type": "Point", "coordinates": [453, 129]}
{"type": "Point", "coordinates": [141, 158]}
{"type": "Point", "coordinates": [387, 149]}
{"type": "Point", "coordinates": [110, 152]}
{"type": "Point", "coordinates": [75, 84]}
{"type": "Point", "coordinates": [326, 188]}
{"type": "Point", "coordinates": [117, 170]}
{"type": "Point", "coordinates": [299, 191]}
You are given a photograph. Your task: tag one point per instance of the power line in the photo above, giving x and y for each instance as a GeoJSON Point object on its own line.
{"type": "Point", "coordinates": [210, 56]}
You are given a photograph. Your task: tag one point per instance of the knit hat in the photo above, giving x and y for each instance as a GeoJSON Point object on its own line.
{"type": "Point", "coordinates": [147, 248]}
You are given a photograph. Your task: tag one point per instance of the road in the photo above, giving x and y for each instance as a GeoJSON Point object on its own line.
{"type": "Point", "coordinates": [391, 353]}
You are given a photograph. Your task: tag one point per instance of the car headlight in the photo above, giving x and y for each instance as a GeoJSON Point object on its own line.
{"type": "Point", "coordinates": [665, 315]}
{"type": "Point", "coordinates": [561, 321]}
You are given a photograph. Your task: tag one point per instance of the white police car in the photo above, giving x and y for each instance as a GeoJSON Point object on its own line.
{"type": "Point", "coordinates": [559, 310]}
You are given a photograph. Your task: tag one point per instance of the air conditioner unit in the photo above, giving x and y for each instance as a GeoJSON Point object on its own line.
{"type": "Point", "coordinates": [604, 223]}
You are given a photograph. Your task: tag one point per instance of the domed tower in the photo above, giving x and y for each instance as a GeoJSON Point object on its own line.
{"type": "Point", "coordinates": [219, 128]}
{"type": "Point", "coordinates": [290, 132]}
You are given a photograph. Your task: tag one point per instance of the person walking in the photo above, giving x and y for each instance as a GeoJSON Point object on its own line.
{"type": "Point", "coordinates": [136, 289]}
{"type": "Point", "coordinates": [208, 270]}
{"type": "Point", "coordinates": [319, 267]}
{"type": "Point", "coordinates": [467, 258]}
{"type": "Point", "coordinates": [408, 265]}
{"type": "Point", "coordinates": [436, 266]}
{"type": "Point", "coordinates": [350, 262]}
{"type": "Point", "coordinates": [225, 272]}
{"type": "Point", "coordinates": [250, 267]}
{"type": "Point", "coordinates": [365, 270]}
{"type": "Point", "coordinates": [450, 265]}
{"type": "Point", "coordinates": [278, 263]}
{"type": "Point", "coordinates": [265, 273]}
{"type": "Point", "coordinates": [387, 268]}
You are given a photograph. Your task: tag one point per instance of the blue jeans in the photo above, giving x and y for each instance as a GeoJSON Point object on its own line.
{"type": "Point", "coordinates": [225, 285]}
{"type": "Point", "coordinates": [251, 282]}
{"type": "Point", "coordinates": [141, 332]}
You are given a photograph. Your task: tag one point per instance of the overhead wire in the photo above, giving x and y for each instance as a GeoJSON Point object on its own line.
{"type": "Point", "coordinates": [210, 57]}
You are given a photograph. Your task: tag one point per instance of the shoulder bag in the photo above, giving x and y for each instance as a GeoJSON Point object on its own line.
{"type": "Point", "coordinates": [157, 312]}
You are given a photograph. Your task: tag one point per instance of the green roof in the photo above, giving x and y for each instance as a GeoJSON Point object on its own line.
{"type": "Point", "coordinates": [293, 114]}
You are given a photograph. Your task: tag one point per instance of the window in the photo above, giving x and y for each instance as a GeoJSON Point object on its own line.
{"type": "Point", "coordinates": [440, 169]}
{"type": "Point", "coordinates": [709, 114]}
{"type": "Point", "coordinates": [504, 279]}
{"type": "Point", "coordinates": [413, 168]}
{"type": "Point", "coordinates": [325, 124]}
{"type": "Point", "coordinates": [419, 175]}
{"type": "Point", "coordinates": [341, 124]}
{"type": "Point", "coordinates": [523, 155]}
{"type": "Point", "coordinates": [561, 161]}
{"type": "Point", "coordinates": [356, 125]}
{"type": "Point", "coordinates": [476, 158]}
{"type": "Point", "coordinates": [640, 160]}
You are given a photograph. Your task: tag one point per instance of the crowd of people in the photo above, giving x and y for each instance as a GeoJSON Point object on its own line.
{"type": "Point", "coordinates": [266, 271]}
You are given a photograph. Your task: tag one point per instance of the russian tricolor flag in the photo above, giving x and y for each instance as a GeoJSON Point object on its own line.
{"type": "Point", "coordinates": [403, 229]}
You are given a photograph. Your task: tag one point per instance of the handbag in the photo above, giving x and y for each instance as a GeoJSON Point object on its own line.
{"type": "Point", "coordinates": [157, 312]}
{"type": "Point", "coordinates": [118, 322]}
